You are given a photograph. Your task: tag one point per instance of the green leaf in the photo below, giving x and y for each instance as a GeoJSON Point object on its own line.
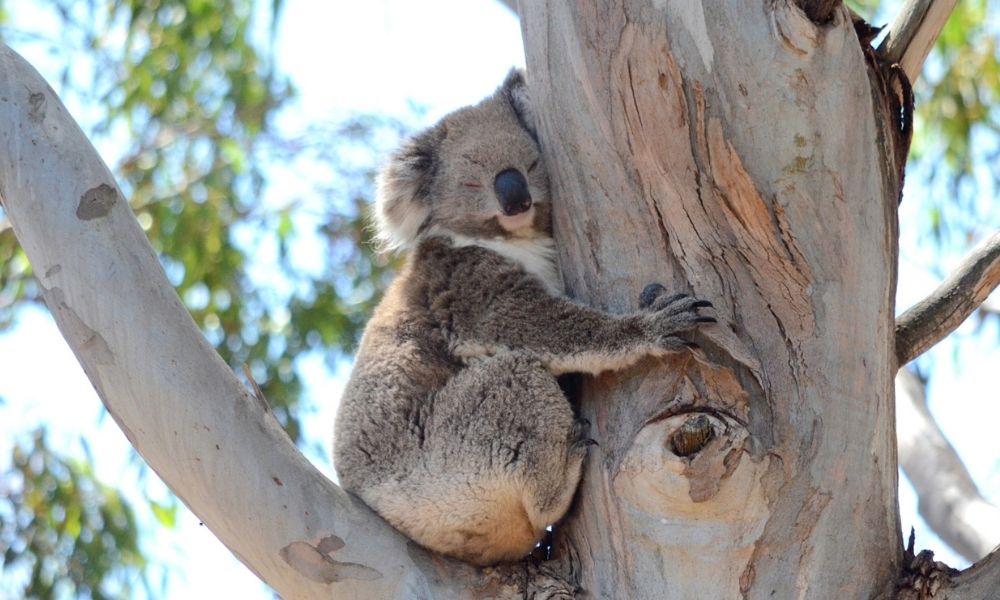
{"type": "Point", "coordinates": [166, 514]}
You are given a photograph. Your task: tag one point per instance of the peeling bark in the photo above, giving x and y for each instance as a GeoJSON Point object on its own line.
{"type": "Point", "coordinates": [701, 145]}
{"type": "Point", "coordinates": [923, 577]}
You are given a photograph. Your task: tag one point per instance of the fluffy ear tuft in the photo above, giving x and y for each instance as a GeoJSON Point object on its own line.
{"type": "Point", "coordinates": [402, 202]}
{"type": "Point", "coordinates": [515, 88]}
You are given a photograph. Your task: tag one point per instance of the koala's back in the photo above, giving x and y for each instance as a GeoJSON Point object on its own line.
{"type": "Point", "coordinates": [402, 359]}
{"type": "Point", "coordinates": [450, 452]}
{"type": "Point", "coordinates": [405, 358]}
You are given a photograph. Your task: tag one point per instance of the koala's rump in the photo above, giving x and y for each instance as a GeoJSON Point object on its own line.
{"type": "Point", "coordinates": [477, 469]}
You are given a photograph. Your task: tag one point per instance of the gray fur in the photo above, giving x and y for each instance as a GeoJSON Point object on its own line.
{"type": "Point", "coordinates": [452, 426]}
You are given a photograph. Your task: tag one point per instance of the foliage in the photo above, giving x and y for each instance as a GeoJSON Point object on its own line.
{"type": "Point", "coordinates": [864, 7]}
{"type": "Point", "coordinates": [958, 123]}
{"type": "Point", "coordinates": [69, 533]}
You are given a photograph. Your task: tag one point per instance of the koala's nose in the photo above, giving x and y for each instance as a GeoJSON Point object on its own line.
{"type": "Point", "coordinates": [512, 191]}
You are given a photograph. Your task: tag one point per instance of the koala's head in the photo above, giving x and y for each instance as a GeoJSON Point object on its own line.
{"type": "Point", "coordinates": [477, 173]}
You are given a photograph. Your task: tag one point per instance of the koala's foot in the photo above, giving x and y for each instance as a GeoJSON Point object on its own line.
{"type": "Point", "coordinates": [671, 315]}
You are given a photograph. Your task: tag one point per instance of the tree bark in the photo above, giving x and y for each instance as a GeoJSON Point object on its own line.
{"type": "Point", "coordinates": [736, 153]}
{"type": "Point", "coordinates": [913, 32]}
{"type": "Point", "coordinates": [928, 322]}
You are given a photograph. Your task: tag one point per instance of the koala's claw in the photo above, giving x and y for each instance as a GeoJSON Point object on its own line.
{"type": "Point", "coordinates": [653, 297]}
{"type": "Point", "coordinates": [676, 304]}
{"type": "Point", "coordinates": [663, 301]}
{"type": "Point", "coordinates": [672, 314]}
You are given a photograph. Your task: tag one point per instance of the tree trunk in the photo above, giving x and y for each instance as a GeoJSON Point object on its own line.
{"type": "Point", "coordinates": [735, 150]}
{"type": "Point", "coordinates": [728, 148]}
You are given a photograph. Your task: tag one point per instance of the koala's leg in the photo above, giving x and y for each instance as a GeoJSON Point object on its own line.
{"type": "Point", "coordinates": [502, 456]}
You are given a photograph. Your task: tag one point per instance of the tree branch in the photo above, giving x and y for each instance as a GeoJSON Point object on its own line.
{"type": "Point", "coordinates": [949, 500]}
{"type": "Point", "coordinates": [978, 581]}
{"type": "Point", "coordinates": [913, 32]}
{"type": "Point", "coordinates": [930, 320]}
{"type": "Point", "coordinates": [179, 404]}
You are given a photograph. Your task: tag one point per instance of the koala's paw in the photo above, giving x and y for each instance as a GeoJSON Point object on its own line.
{"type": "Point", "coordinates": [671, 315]}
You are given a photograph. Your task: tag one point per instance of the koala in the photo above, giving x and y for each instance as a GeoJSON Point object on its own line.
{"type": "Point", "coordinates": [452, 425]}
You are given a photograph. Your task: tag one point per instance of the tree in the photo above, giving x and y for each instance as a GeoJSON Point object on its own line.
{"type": "Point", "coordinates": [702, 147]}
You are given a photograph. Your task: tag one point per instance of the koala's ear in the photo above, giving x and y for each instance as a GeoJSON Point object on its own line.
{"type": "Point", "coordinates": [402, 197]}
{"type": "Point", "coordinates": [515, 88]}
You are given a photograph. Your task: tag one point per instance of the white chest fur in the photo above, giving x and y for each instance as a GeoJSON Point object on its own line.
{"type": "Point", "coordinates": [536, 255]}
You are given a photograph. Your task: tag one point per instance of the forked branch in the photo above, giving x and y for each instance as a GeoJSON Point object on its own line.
{"type": "Point", "coordinates": [930, 320]}
{"type": "Point", "coordinates": [913, 32]}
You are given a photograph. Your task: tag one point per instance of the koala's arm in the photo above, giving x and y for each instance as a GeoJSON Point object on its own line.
{"type": "Point", "coordinates": [520, 315]}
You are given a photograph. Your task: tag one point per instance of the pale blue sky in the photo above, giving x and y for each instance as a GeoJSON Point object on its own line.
{"type": "Point", "coordinates": [381, 55]}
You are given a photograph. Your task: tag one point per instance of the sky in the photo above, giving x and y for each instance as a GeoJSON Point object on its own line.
{"type": "Point", "coordinates": [384, 56]}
